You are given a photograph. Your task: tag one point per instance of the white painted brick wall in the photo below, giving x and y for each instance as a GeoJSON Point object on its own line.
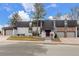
{"type": "Point", "coordinates": [23, 30]}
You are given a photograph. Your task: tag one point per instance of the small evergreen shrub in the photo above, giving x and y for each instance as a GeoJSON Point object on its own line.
{"type": "Point", "coordinates": [56, 38]}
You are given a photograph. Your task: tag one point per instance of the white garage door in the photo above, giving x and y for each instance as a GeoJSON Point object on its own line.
{"type": "Point", "coordinates": [70, 34]}
{"type": "Point", "coordinates": [60, 34]}
{"type": "Point", "coordinates": [9, 32]}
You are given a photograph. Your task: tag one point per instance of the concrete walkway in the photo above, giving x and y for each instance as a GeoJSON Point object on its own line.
{"type": "Point", "coordinates": [3, 38]}
{"type": "Point", "coordinates": [4, 41]}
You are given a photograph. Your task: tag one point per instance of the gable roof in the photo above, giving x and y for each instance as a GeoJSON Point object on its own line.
{"type": "Point", "coordinates": [7, 28]}
{"type": "Point", "coordinates": [22, 24]}
{"type": "Point", "coordinates": [59, 23]}
{"type": "Point", "coordinates": [71, 23]}
{"type": "Point", "coordinates": [48, 25]}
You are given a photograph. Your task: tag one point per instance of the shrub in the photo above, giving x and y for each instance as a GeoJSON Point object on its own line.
{"type": "Point", "coordinates": [56, 38]}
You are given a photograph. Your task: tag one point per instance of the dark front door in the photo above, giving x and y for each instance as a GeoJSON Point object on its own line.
{"type": "Point", "coordinates": [47, 32]}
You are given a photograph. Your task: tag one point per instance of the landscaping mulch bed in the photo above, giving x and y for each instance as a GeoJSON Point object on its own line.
{"type": "Point", "coordinates": [27, 38]}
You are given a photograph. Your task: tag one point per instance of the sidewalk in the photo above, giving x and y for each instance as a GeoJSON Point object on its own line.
{"type": "Point", "coordinates": [65, 41]}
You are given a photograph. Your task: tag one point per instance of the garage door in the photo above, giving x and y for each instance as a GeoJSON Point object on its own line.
{"type": "Point", "coordinates": [60, 34]}
{"type": "Point", "coordinates": [70, 34]}
{"type": "Point", "coordinates": [9, 32]}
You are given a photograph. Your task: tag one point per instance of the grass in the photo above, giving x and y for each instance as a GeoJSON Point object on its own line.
{"type": "Point", "coordinates": [26, 38]}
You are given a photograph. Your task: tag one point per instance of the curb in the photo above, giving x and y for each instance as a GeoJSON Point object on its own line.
{"type": "Point", "coordinates": [41, 42]}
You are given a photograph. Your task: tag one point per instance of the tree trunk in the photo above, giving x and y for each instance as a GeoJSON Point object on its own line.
{"type": "Point", "coordinates": [37, 28]}
{"type": "Point", "coordinates": [65, 31]}
{"type": "Point", "coordinates": [40, 27]}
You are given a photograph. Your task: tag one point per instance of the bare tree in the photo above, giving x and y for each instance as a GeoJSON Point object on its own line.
{"type": "Point", "coordinates": [39, 13]}
{"type": "Point", "coordinates": [15, 17]}
{"type": "Point", "coordinates": [75, 13]}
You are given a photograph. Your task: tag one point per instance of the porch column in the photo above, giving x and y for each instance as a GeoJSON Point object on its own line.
{"type": "Point", "coordinates": [54, 26]}
{"type": "Point", "coordinates": [3, 32]}
{"type": "Point", "coordinates": [13, 31]}
{"type": "Point", "coordinates": [76, 32]}
{"type": "Point", "coordinates": [65, 23]}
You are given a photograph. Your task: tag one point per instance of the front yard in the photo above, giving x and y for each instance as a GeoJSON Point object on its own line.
{"type": "Point", "coordinates": [27, 38]}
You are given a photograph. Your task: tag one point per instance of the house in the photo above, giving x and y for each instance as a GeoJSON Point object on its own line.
{"type": "Point", "coordinates": [70, 30]}
{"type": "Point", "coordinates": [66, 28]}
{"type": "Point", "coordinates": [8, 30]}
{"type": "Point", "coordinates": [47, 28]}
{"type": "Point", "coordinates": [20, 28]}
{"type": "Point", "coordinates": [63, 28]}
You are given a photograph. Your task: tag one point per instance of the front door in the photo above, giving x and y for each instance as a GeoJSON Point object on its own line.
{"type": "Point", "coordinates": [47, 32]}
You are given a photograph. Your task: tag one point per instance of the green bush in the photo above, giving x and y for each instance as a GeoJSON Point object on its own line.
{"type": "Point", "coordinates": [56, 38]}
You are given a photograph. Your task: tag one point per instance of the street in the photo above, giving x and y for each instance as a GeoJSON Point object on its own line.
{"type": "Point", "coordinates": [32, 49]}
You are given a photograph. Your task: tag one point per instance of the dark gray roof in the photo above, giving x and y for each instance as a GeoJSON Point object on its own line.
{"type": "Point", "coordinates": [71, 23]}
{"type": "Point", "coordinates": [7, 28]}
{"type": "Point", "coordinates": [22, 24]}
{"type": "Point", "coordinates": [48, 25]}
{"type": "Point", "coordinates": [34, 23]}
{"type": "Point", "coordinates": [59, 23]}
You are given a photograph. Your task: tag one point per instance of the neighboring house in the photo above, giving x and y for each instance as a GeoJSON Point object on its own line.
{"type": "Point", "coordinates": [48, 27]}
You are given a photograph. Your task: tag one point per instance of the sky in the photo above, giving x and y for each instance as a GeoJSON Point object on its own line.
{"type": "Point", "coordinates": [24, 10]}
